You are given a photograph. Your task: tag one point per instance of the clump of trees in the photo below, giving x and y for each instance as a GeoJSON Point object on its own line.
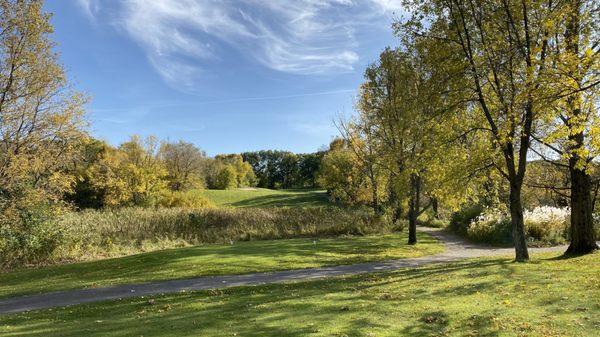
{"type": "Point", "coordinates": [143, 171]}
{"type": "Point", "coordinates": [344, 176]}
{"type": "Point", "coordinates": [230, 171]}
{"type": "Point", "coordinates": [140, 172]}
{"type": "Point", "coordinates": [474, 95]}
{"type": "Point", "coordinates": [283, 169]}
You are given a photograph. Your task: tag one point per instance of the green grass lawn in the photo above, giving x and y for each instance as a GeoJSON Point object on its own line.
{"type": "Point", "coordinates": [262, 197]}
{"type": "Point", "coordinates": [485, 297]}
{"type": "Point", "coordinates": [241, 257]}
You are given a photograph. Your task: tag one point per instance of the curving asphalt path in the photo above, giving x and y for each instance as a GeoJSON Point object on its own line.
{"type": "Point", "coordinates": [456, 249]}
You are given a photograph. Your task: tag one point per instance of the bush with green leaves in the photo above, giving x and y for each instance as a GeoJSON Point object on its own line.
{"type": "Point", "coordinates": [436, 223]}
{"type": "Point", "coordinates": [462, 219]}
{"type": "Point", "coordinates": [226, 178]}
{"type": "Point", "coordinates": [31, 236]}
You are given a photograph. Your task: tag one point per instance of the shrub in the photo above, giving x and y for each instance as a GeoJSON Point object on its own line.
{"type": "Point", "coordinates": [548, 225]}
{"type": "Point", "coordinates": [226, 178]}
{"type": "Point", "coordinates": [543, 225]}
{"type": "Point", "coordinates": [31, 238]}
{"type": "Point", "coordinates": [183, 200]}
{"type": "Point", "coordinates": [436, 223]}
{"type": "Point", "coordinates": [461, 220]}
{"type": "Point", "coordinates": [492, 226]}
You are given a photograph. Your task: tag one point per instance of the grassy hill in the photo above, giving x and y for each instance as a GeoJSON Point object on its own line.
{"type": "Point", "coordinates": [262, 197]}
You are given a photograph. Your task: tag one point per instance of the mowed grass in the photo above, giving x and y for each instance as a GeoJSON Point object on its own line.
{"type": "Point", "coordinates": [262, 197]}
{"type": "Point", "coordinates": [485, 297]}
{"type": "Point", "coordinates": [237, 258]}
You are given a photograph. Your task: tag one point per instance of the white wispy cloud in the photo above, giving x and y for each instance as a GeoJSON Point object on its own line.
{"type": "Point", "coordinates": [89, 7]}
{"type": "Point", "coordinates": [182, 37]}
{"type": "Point", "coordinates": [389, 5]}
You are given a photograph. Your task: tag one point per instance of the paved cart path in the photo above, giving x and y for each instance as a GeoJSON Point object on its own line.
{"type": "Point", "coordinates": [456, 249]}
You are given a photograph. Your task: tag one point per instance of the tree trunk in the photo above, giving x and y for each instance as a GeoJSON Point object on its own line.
{"type": "Point", "coordinates": [582, 224]}
{"type": "Point", "coordinates": [583, 238]}
{"type": "Point", "coordinates": [518, 224]}
{"type": "Point", "coordinates": [434, 207]}
{"type": "Point", "coordinates": [375, 195]}
{"type": "Point", "coordinates": [394, 202]}
{"type": "Point", "coordinates": [412, 227]}
{"type": "Point", "coordinates": [414, 204]}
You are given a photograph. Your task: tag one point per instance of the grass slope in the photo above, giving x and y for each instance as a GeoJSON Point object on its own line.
{"type": "Point", "coordinates": [262, 197]}
{"type": "Point", "coordinates": [241, 257]}
{"type": "Point", "coordinates": [486, 297]}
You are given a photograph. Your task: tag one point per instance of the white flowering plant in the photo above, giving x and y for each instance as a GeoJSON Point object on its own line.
{"type": "Point", "coordinates": [548, 224]}
{"type": "Point", "coordinates": [545, 225]}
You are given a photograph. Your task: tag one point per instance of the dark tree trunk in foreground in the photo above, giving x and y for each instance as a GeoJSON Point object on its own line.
{"type": "Point", "coordinates": [582, 224]}
{"type": "Point", "coordinates": [518, 223]}
{"type": "Point", "coordinates": [583, 238]}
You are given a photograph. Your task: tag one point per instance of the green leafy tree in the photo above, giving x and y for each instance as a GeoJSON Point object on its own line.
{"type": "Point", "coordinates": [341, 174]}
{"type": "Point", "coordinates": [84, 193]}
{"type": "Point", "coordinates": [284, 169]}
{"type": "Point", "coordinates": [502, 49]}
{"type": "Point", "coordinates": [404, 133]}
{"type": "Point", "coordinates": [571, 91]}
{"type": "Point", "coordinates": [227, 177]}
{"type": "Point", "coordinates": [361, 139]}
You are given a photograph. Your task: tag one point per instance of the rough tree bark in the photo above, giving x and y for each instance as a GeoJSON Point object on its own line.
{"type": "Point", "coordinates": [518, 223]}
{"type": "Point", "coordinates": [582, 223]}
{"type": "Point", "coordinates": [582, 226]}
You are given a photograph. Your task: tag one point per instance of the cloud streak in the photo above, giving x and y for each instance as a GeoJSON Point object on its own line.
{"type": "Point", "coordinates": [89, 8]}
{"type": "Point", "coordinates": [183, 38]}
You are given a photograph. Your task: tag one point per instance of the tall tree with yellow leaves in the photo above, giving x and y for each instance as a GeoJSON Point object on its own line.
{"type": "Point", "coordinates": [41, 119]}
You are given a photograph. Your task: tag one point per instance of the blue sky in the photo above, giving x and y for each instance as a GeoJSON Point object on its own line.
{"type": "Point", "coordinates": [229, 76]}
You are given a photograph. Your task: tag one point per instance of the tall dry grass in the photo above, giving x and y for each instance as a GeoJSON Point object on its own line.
{"type": "Point", "coordinates": [106, 233]}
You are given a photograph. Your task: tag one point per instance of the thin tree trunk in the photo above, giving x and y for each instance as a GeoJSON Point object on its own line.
{"type": "Point", "coordinates": [393, 201]}
{"type": "Point", "coordinates": [434, 207]}
{"type": "Point", "coordinates": [375, 195]}
{"type": "Point", "coordinates": [414, 203]}
{"type": "Point", "coordinates": [518, 223]}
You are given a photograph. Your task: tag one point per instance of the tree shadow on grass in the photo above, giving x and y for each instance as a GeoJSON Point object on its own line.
{"type": "Point", "coordinates": [349, 306]}
{"type": "Point", "coordinates": [286, 200]}
{"type": "Point", "coordinates": [430, 323]}
{"type": "Point", "coordinates": [239, 258]}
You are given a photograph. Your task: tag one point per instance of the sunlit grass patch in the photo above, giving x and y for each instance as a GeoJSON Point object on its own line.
{"type": "Point", "coordinates": [483, 297]}
{"type": "Point", "coordinates": [236, 258]}
{"type": "Point", "coordinates": [262, 197]}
